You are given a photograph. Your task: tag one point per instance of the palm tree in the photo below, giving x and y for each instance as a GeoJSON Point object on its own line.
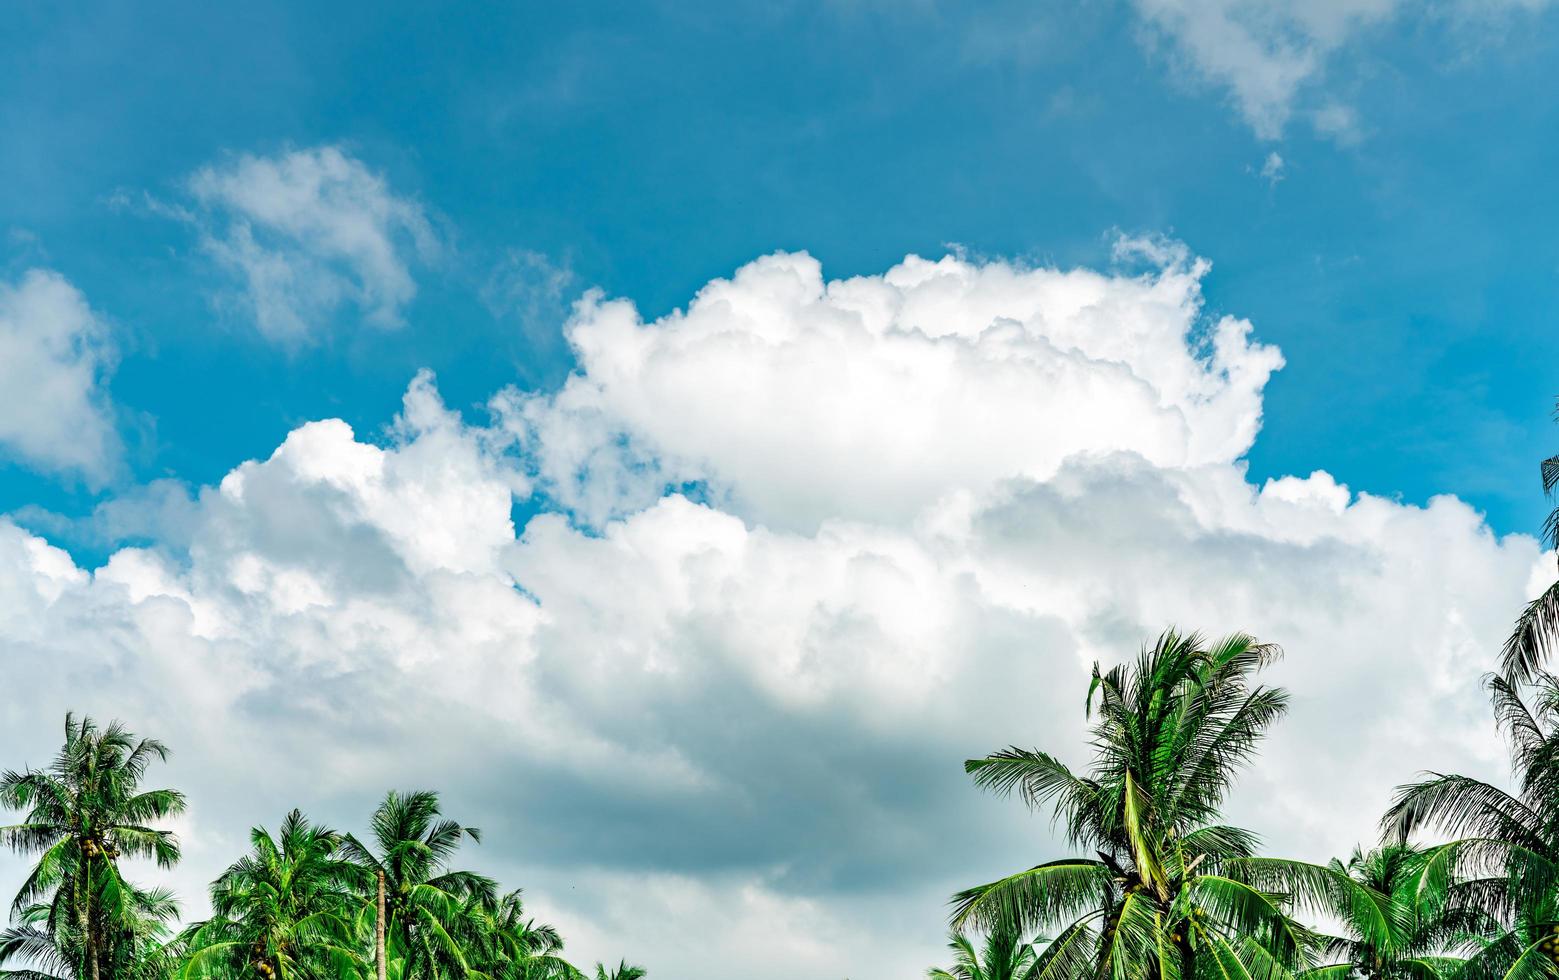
{"type": "Point", "coordinates": [285, 911]}
{"type": "Point", "coordinates": [83, 813]}
{"type": "Point", "coordinates": [1427, 923]}
{"type": "Point", "coordinates": [1504, 860]}
{"type": "Point", "coordinates": [1171, 892]}
{"type": "Point", "coordinates": [429, 915]}
{"type": "Point", "coordinates": [1537, 629]}
{"type": "Point", "coordinates": [143, 947]}
{"type": "Point", "coordinates": [623, 971]}
{"type": "Point", "coordinates": [518, 947]}
{"type": "Point", "coordinates": [1005, 957]}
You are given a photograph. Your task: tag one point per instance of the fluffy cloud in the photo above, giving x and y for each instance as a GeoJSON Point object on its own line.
{"type": "Point", "coordinates": [926, 500]}
{"type": "Point", "coordinates": [1271, 54]}
{"type": "Point", "coordinates": [55, 355]}
{"type": "Point", "coordinates": [308, 232]}
{"type": "Point", "coordinates": [873, 397]}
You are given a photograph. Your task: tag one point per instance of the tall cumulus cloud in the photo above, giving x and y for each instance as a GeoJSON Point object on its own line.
{"type": "Point", "coordinates": [798, 550]}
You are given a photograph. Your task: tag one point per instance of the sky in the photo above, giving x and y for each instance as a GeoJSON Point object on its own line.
{"type": "Point", "coordinates": [682, 433]}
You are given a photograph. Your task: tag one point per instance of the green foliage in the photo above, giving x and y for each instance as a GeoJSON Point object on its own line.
{"type": "Point", "coordinates": [286, 910]}
{"type": "Point", "coordinates": [1004, 956]}
{"type": "Point", "coordinates": [80, 816]}
{"type": "Point", "coordinates": [1503, 866]}
{"type": "Point", "coordinates": [436, 915]}
{"type": "Point", "coordinates": [1171, 892]}
{"type": "Point", "coordinates": [517, 947]}
{"type": "Point", "coordinates": [1532, 641]}
{"type": "Point", "coordinates": [622, 972]}
{"type": "Point", "coordinates": [301, 905]}
{"type": "Point", "coordinates": [1426, 919]}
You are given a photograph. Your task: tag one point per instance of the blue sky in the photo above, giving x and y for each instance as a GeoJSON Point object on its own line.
{"type": "Point", "coordinates": [1408, 273]}
{"type": "Point", "coordinates": [696, 597]}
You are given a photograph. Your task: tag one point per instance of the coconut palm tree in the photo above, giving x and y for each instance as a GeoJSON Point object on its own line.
{"type": "Point", "coordinates": [1504, 859]}
{"type": "Point", "coordinates": [143, 947]}
{"type": "Point", "coordinates": [1170, 892]}
{"type": "Point", "coordinates": [430, 916]}
{"type": "Point", "coordinates": [1428, 922]}
{"type": "Point", "coordinates": [1005, 957]}
{"type": "Point", "coordinates": [517, 947]}
{"type": "Point", "coordinates": [83, 813]}
{"type": "Point", "coordinates": [285, 911]}
{"type": "Point", "coordinates": [1536, 633]}
{"type": "Point", "coordinates": [623, 971]}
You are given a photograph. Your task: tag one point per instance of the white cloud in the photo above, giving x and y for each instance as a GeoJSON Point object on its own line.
{"type": "Point", "coordinates": [55, 356]}
{"type": "Point", "coordinates": [1271, 55]}
{"type": "Point", "coordinates": [1272, 169]}
{"type": "Point", "coordinates": [960, 483]}
{"type": "Point", "coordinates": [873, 397]}
{"type": "Point", "coordinates": [308, 232]}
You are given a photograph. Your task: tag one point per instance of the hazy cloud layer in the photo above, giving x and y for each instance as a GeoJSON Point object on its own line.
{"type": "Point", "coordinates": [728, 730]}
{"type": "Point", "coordinates": [1271, 56]}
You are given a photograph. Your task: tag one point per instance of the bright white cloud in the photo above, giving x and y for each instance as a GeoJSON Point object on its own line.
{"type": "Point", "coordinates": [960, 483]}
{"type": "Point", "coordinates": [55, 356]}
{"type": "Point", "coordinates": [871, 398]}
{"type": "Point", "coordinates": [1270, 55]}
{"type": "Point", "coordinates": [309, 232]}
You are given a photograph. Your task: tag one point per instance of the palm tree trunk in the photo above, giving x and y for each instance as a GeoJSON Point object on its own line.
{"type": "Point", "coordinates": [91, 946]}
{"type": "Point", "coordinates": [378, 931]}
{"type": "Point", "coordinates": [84, 916]}
{"type": "Point", "coordinates": [81, 923]}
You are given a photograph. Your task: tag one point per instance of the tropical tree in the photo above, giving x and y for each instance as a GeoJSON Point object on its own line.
{"type": "Point", "coordinates": [517, 947]}
{"type": "Point", "coordinates": [623, 971]}
{"type": "Point", "coordinates": [1536, 633]}
{"type": "Point", "coordinates": [1170, 891]}
{"type": "Point", "coordinates": [81, 815]}
{"type": "Point", "coordinates": [1428, 920]}
{"type": "Point", "coordinates": [1503, 860]}
{"type": "Point", "coordinates": [143, 946]}
{"type": "Point", "coordinates": [285, 911]}
{"type": "Point", "coordinates": [428, 915]}
{"type": "Point", "coordinates": [1005, 957]}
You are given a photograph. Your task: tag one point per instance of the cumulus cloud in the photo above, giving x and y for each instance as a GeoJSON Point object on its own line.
{"type": "Point", "coordinates": [742, 711]}
{"type": "Point", "coordinates": [308, 232]}
{"type": "Point", "coordinates": [55, 358]}
{"type": "Point", "coordinates": [873, 397]}
{"type": "Point", "coordinates": [1270, 54]}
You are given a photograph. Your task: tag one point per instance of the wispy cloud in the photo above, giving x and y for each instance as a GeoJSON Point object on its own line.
{"type": "Point", "coordinates": [1272, 56]}
{"type": "Point", "coordinates": [308, 233]}
{"type": "Point", "coordinates": [1273, 168]}
{"type": "Point", "coordinates": [528, 287]}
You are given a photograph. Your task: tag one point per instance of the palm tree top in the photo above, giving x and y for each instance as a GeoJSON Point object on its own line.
{"type": "Point", "coordinates": [89, 799]}
{"type": "Point", "coordinates": [83, 812]}
{"type": "Point", "coordinates": [1005, 956]}
{"type": "Point", "coordinates": [1176, 725]}
{"type": "Point", "coordinates": [623, 971]}
{"type": "Point", "coordinates": [1536, 634]}
{"type": "Point", "coordinates": [1166, 891]}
